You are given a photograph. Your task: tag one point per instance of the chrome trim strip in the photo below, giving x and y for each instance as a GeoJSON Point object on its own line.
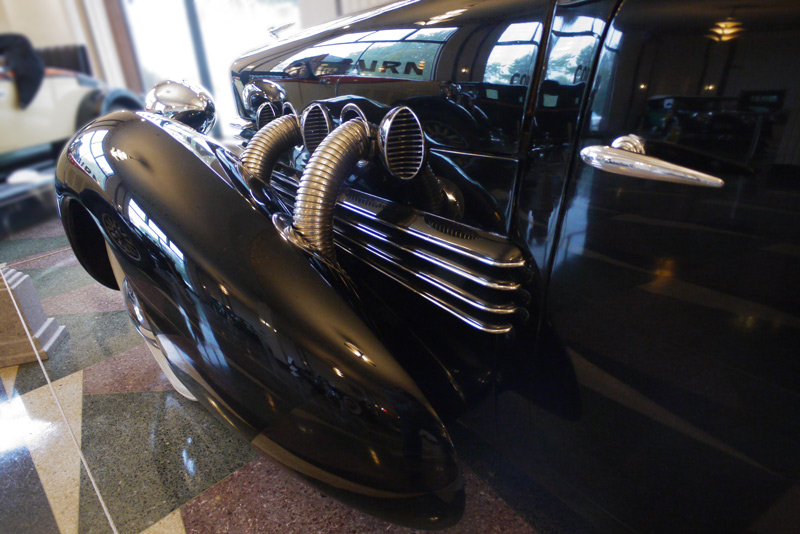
{"type": "Point", "coordinates": [402, 143]}
{"type": "Point", "coordinates": [460, 294]}
{"type": "Point", "coordinates": [242, 124]}
{"type": "Point", "coordinates": [418, 228]}
{"type": "Point", "coordinates": [270, 113]}
{"type": "Point", "coordinates": [417, 257]}
{"type": "Point", "coordinates": [472, 154]}
{"type": "Point", "coordinates": [312, 139]}
{"type": "Point", "coordinates": [435, 260]}
{"type": "Point", "coordinates": [290, 107]}
{"type": "Point", "coordinates": [286, 192]}
{"type": "Point", "coordinates": [350, 201]}
{"type": "Point", "coordinates": [480, 325]}
{"type": "Point", "coordinates": [359, 114]}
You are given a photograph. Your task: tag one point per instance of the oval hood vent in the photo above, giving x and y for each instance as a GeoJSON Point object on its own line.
{"type": "Point", "coordinates": [317, 125]}
{"type": "Point", "coordinates": [402, 143]}
{"type": "Point", "coordinates": [267, 112]}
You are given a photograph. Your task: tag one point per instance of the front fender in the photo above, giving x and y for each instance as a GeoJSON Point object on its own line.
{"type": "Point", "coordinates": [263, 334]}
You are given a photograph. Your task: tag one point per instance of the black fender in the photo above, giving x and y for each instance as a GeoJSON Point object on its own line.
{"type": "Point", "coordinates": [263, 334]}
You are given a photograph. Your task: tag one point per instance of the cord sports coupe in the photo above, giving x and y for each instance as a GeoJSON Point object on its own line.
{"type": "Point", "coordinates": [561, 238]}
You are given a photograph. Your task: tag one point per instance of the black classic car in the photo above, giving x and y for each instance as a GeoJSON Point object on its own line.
{"type": "Point", "coordinates": [510, 232]}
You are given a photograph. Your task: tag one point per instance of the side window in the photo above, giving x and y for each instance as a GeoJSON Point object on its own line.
{"type": "Point", "coordinates": [466, 72]}
{"type": "Point", "coordinates": [408, 60]}
{"type": "Point", "coordinates": [321, 60]}
{"type": "Point", "coordinates": [572, 49]}
{"type": "Point", "coordinates": [573, 43]}
{"type": "Point", "coordinates": [604, 79]}
{"type": "Point", "coordinates": [511, 59]}
{"type": "Point", "coordinates": [403, 53]}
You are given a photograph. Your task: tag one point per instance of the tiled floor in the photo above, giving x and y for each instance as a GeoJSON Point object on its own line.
{"type": "Point", "coordinates": [128, 454]}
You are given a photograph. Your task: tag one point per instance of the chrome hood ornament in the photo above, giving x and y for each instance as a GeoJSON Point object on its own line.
{"type": "Point", "coordinates": [184, 102]}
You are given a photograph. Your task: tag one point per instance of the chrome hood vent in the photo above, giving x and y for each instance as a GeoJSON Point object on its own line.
{"type": "Point", "coordinates": [402, 143]}
{"type": "Point", "coordinates": [267, 112]}
{"type": "Point", "coordinates": [317, 124]}
{"type": "Point", "coordinates": [288, 109]}
{"type": "Point", "coordinates": [473, 275]}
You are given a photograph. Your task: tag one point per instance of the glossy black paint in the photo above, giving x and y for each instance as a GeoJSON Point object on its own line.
{"type": "Point", "coordinates": [292, 362]}
{"type": "Point", "coordinates": [676, 303]}
{"type": "Point", "coordinates": [651, 384]}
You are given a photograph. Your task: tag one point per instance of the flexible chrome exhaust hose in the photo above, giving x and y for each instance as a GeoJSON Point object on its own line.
{"type": "Point", "coordinates": [269, 143]}
{"type": "Point", "coordinates": [332, 162]}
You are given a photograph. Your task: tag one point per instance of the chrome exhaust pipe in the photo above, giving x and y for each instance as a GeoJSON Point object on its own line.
{"type": "Point", "coordinates": [268, 144]}
{"type": "Point", "coordinates": [332, 162]}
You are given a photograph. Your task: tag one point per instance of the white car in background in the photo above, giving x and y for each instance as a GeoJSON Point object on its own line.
{"type": "Point", "coordinates": [41, 107]}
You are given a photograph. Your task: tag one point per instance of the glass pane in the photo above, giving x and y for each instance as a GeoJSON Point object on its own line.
{"type": "Point", "coordinates": [510, 64]}
{"type": "Point", "coordinates": [170, 55]}
{"type": "Point", "coordinates": [571, 58]}
{"type": "Point", "coordinates": [322, 60]}
{"type": "Point", "coordinates": [472, 89]}
{"type": "Point", "coordinates": [230, 29]}
{"type": "Point", "coordinates": [387, 35]}
{"type": "Point", "coordinates": [432, 34]}
{"type": "Point", "coordinates": [522, 31]}
{"type": "Point", "coordinates": [347, 38]}
{"type": "Point", "coordinates": [407, 60]}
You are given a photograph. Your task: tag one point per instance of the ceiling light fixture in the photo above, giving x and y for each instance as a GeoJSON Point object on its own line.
{"type": "Point", "coordinates": [725, 30]}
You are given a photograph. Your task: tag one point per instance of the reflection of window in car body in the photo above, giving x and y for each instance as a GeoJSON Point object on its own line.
{"type": "Point", "coordinates": [488, 97]}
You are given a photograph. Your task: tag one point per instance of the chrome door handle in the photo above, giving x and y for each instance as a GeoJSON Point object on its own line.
{"type": "Point", "coordinates": [630, 160]}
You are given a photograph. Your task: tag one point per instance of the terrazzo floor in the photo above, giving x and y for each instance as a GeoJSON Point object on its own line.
{"type": "Point", "coordinates": [113, 448]}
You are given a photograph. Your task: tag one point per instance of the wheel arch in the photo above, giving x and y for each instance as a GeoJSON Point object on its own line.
{"type": "Point", "coordinates": [87, 241]}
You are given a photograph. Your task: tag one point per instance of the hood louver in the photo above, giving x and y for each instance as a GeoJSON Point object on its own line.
{"type": "Point", "coordinates": [266, 114]}
{"type": "Point", "coordinates": [317, 125]}
{"type": "Point", "coordinates": [402, 143]}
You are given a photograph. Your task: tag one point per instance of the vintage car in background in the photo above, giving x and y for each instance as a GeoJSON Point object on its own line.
{"type": "Point", "coordinates": [42, 107]}
{"type": "Point", "coordinates": [478, 235]}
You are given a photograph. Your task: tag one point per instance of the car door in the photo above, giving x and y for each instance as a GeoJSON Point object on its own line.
{"type": "Point", "coordinates": [679, 301]}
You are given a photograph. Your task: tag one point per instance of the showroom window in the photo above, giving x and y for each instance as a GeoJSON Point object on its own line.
{"type": "Point", "coordinates": [511, 59]}
{"type": "Point", "coordinates": [170, 46]}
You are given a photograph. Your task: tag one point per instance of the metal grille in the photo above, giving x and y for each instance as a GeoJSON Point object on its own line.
{"type": "Point", "coordinates": [316, 126]}
{"type": "Point", "coordinates": [403, 145]}
{"type": "Point", "coordinates": [449, 228]}
{"type": "Point", "coordinates": [473, 275]}
{"type": "Point", "coordinates": [266, 114]}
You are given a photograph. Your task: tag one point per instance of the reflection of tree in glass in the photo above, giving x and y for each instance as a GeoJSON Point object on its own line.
{"type": "Point", "coordinates": [565, 59]}
{"type": "Point", "coordinates": [396, 57]}
{"type": "Point", "coordinates": [432, 34]}
{"type": "Point", "coordinates": [501, 72]}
